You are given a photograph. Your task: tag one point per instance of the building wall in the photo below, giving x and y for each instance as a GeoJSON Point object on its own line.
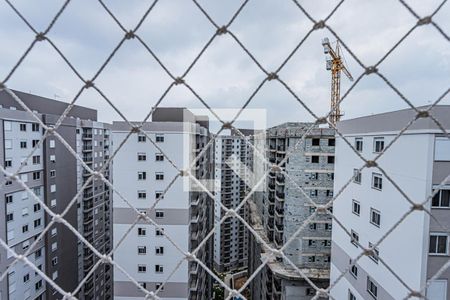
{"type": "Point", "coordinates": [231, 238]}
{"type": "Point", "coordinates": [19, 233]}
{"type": "Point", "coordinates": [185, 212]}
{"type": "Point", "coordinates": [408, 163]}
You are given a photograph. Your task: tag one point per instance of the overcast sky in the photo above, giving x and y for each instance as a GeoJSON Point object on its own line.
{"type": "Point", "coordinates": [225, 76]}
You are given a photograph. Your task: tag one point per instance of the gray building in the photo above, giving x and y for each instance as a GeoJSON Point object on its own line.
{"type": "Point", "coordinates": [55, 175]}
{"type": "Point", "coordinates": [232, 171]}
{"type": "Point", "coordinates": [285, 208]}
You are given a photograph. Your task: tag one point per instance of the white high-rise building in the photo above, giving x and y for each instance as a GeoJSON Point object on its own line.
{"type": "Point", "coordinates": [371, 205]}
{"type": "Point", "coordinates": [142, 174]}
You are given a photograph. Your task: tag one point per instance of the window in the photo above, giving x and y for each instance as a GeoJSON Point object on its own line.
{"type": "Point", "coordinates": [142, 268]}
{"type": "Point", "coordinates": [8, 163]}
{"type": "Point", "coordinates": [34, 143]}
{"type": "Point", "coordinates": [315, 142]}
{"type": "Point", "coordinates": [36, 207]}
{"type": "Point", "coordinates": [159, 138]}
{"type": "Point", "coordinates": [8, 199]}
{"type": "Point", "coordinates": [355, 238]}
{"type": "Point", "coordinates": [35, 127]}
{"type": "Point", "coordinates": [310, 292]}
{"type": "Point", "coordinates": [359, 144]}
{"type": "Point", "coordinates": [314, 176]}
{"type": "Point", "coordinates": [142, 231]}
{"type": "Point", "coordinates": [143, 284]}
{"type": "Point", "coordinates": [313, 193]}
{"type": "Point", "coordinates": [51, 143]}
{"type": "Point", "coordinates": [438, 244]}
{"type": "Point", "coordinates": [52, 173]}
{"type": "Point", "coordinates": [25, 211]}
{"type": "Point", "coordinates": [354, 271]}
{"type": "Point", "coordinates": [159, 231]}
{"type": "Point", "coordinates": [315, 159]}
{"type": "Point", "coordinates": [53, 188]}
{"type": "Point", "coordinates": [376, 253]}
{"type": "Point", "coordinates": [36, 159]}
{"type": "Point", "coordinates": [330, 159]}
{"type": "Point", "coordinates": [23, 144]}
{"type": "Point", "coordinates": [375, 217]}
{"type": "Point", "coordinates": [24, 228]}
{"type": "Point", "coordinates": [356, 176]}
{"type": "Point", "coordinates": [53, 203]}
{"type": "Point", "coordinates": [378, 145]}
{"type": "Point", "coordinates": [55, 275]}
{"type": "Point", "coordinates": [54, 232]}
{"type": "Point", "coordinates": [52, 158]}
{"type": "Point", "coordinates": [141, 138]}
{"type": "Point", "coordinates": [159, 250]}
{"type": "Point", "coordinates": [311, 258]}
{"type": "Point", "coordinates": [331, 142]}
{"type": "Point", "coordinates": [356, 207]}
{"type": "Point", "coordinates": [38, 253]}
{"type": "Point", "coordinates": [26, 278]}
{"type": "Point", "coordinates": [441, 199]}
{"type": "Point", "coordinates": [142, 175]}
{"type": "Point", "coordinates": [160, 286]}
{"type": "Point", "coordinates": [328, 226]}
{"type": "Point", "coordinates": [142, 250]}
{"type": "Point", "coordinates": [351, 296]}
{"type": "Point", "coordinates": [38, 285]}
{"type": "Point", "coordinates": [159, 214]}
{"type": "Point", "coordinates": [142, 194]}
{"type": "Point", "coordinates": [329, 193]}
{"type": "Point", "coordinates": [37, 223]}
{"type": "Point", "coordinates": [23, 127]}
{"type": "Point", "coordinates": [159, 176]}
{"type": "Point", "coordinates": [54, 246]}
{"type": "Point", "coordinates": [36, 175]}
{"type": "Point", "coordinates": [377, 181]}
{"type": "Point", "coordinates": [372, 287]}
{"type": "Point", "coordinates": [158, 195]}
{"type": "Point", "coordinates": [142, 157]}
{"type": "Point", "coordinates": [326, 243]}
{"type": "Point", "coordinates": [159, 157]}
{"type": "Point", "coordinates": [159, 269]}
{"type": "Point", "coordinates": [312, 243]}
{"type": "Point", "coordinates": [312, 226]}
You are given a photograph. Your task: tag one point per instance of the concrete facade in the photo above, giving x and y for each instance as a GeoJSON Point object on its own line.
{"type": "Point", "coordinates": [232, 171]}
{"type": "Point", "coordinates": [285, 208]}
{"type": "Point", "coordinates": [417, 162]}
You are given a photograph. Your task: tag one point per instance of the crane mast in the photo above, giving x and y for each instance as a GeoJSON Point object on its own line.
{"type": "Point", "coordinates": [336, 65]}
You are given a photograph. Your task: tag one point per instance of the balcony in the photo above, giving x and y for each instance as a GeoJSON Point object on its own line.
{"type": "Point", "coordinates": [280, 212]}
{"type": "Point", "coordinates": [279, 196]}
{"type": "Point", "coordinates": [87, 136]}
{"type": "Point", "coordinates": [279, 227]}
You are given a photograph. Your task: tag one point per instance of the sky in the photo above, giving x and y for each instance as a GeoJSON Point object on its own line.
{"type": "Point", "coordinates": [225, 76]}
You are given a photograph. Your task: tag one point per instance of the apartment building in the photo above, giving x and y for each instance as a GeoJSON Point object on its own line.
{"type": "Point", "coordinates": [233, 169]}
{"type": "Point", "coordinates": [371, 205]}
{"type": "Point", "coordinates": [141, 174]}
{"type": "Point", "coordinates": [55, 175]}
{"type": "Point", "coordinates": [285, 208]}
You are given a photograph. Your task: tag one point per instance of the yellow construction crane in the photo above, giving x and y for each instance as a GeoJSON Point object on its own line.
{"type": "Point", "coordinates": [335, 64]}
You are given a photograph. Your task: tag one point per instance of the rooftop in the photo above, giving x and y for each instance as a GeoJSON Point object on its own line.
{"type": "Point", "coordinates": [396, 121]}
